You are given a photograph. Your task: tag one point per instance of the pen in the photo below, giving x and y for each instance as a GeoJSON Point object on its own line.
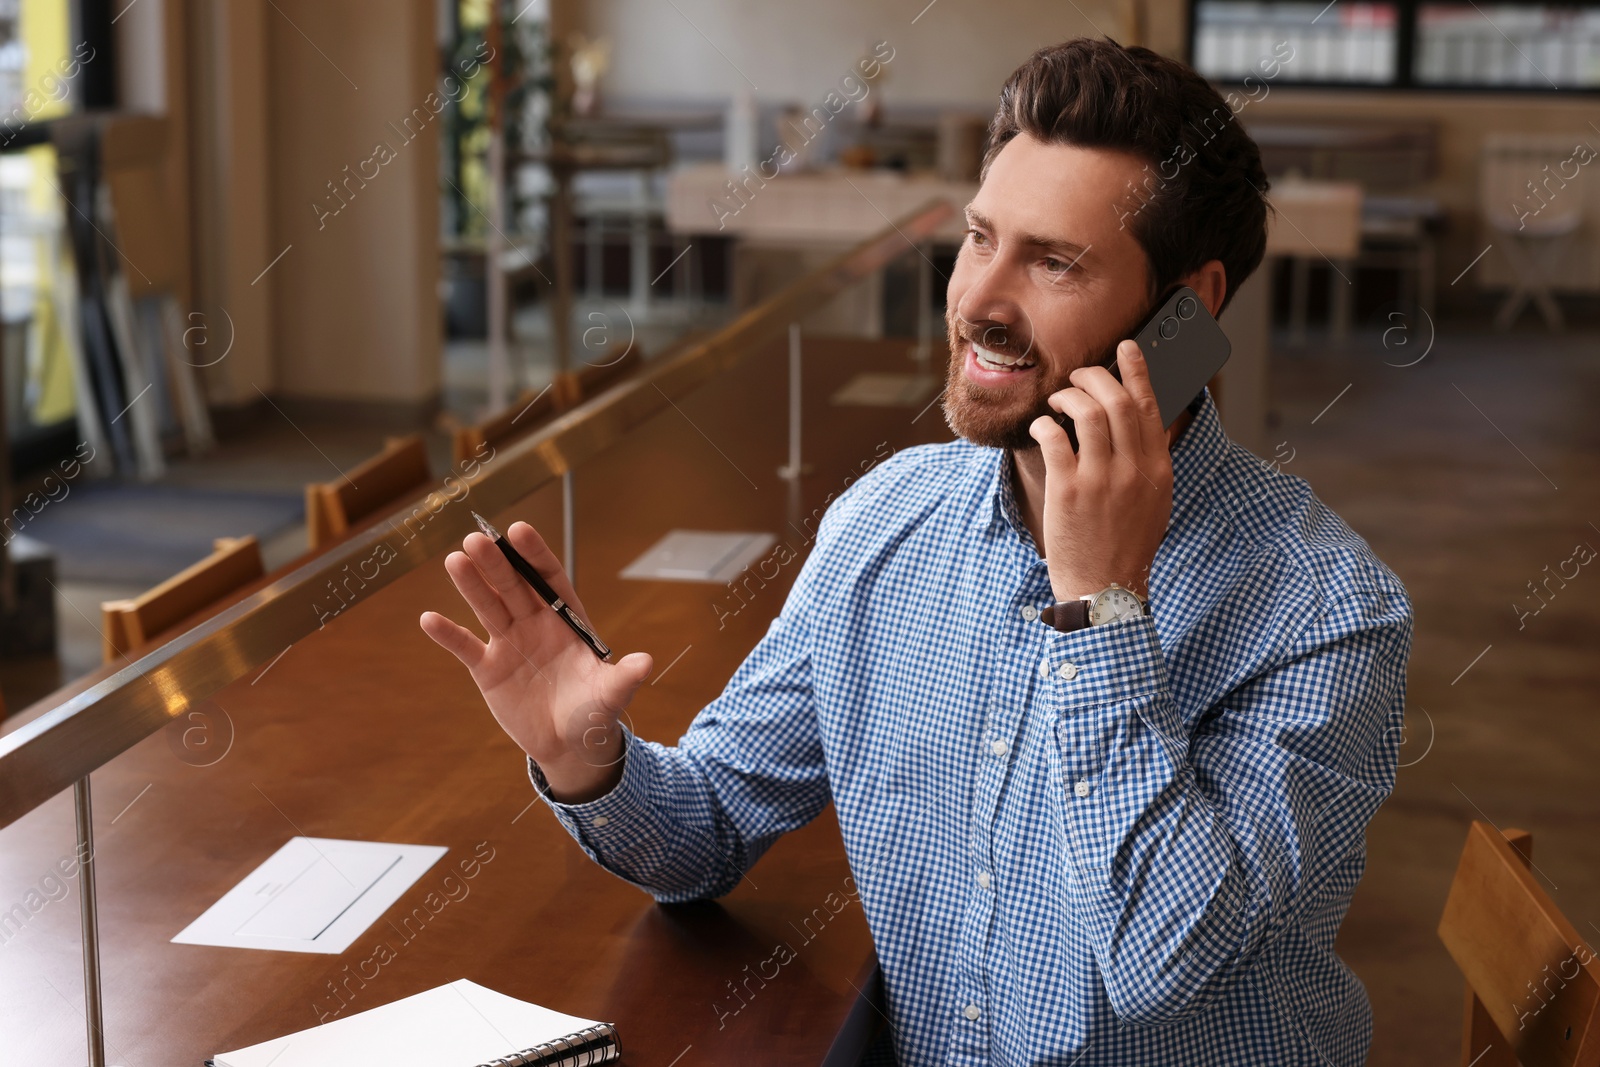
{"type": "Point", "coordinates": [542, 587]}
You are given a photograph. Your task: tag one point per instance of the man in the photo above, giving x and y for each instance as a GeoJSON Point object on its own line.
{"type": "Point", "coordinates": [1126, 838]}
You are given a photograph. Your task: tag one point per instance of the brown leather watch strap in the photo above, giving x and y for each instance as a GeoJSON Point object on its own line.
{"type": "Point", "coordinates": [1067, 615]}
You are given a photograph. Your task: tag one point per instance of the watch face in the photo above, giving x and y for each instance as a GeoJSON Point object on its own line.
{"type": "Point", "coordinates": [1114, 603]}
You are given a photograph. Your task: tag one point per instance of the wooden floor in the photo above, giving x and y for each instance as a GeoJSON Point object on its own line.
{"type": "Point", "coordinates": [1469, 474]}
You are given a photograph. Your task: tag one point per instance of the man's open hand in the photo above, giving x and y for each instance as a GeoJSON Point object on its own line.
{"type": "Point", "coordinates": [547, 689]}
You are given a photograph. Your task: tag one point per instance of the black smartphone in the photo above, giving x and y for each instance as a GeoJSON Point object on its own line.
{"type": "Point", "coordinates": [1183, 346]}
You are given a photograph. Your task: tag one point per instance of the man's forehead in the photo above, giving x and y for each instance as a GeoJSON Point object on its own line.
{"type": "Point", "coordinates": [1062, 192]}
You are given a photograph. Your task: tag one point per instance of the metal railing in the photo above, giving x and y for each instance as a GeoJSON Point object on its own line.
{"type": "Point", "coordinates": [60, 748]}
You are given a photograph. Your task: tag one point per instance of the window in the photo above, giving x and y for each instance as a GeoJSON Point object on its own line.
{"type": "Point", "coordinates": [55, 59]}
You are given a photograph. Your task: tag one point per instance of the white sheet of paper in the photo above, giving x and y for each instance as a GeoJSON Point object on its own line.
{"type": "Point", "coordinates": [315, 894]}
{"type": "Point", "coordinates": [462, 1024]}
{"type": "Point", "coordinates": [699, 556]}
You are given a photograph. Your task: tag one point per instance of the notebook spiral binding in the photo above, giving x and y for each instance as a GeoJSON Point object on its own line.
{"type": "Point", "coordinates": [589, 1046]}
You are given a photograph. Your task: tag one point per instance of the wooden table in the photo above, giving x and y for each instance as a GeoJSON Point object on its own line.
{"type": "Point", "coordinates": [366, 730]}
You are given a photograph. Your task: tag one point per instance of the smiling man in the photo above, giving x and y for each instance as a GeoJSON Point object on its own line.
{"type": "Point", "coordinates": [1104, 728]}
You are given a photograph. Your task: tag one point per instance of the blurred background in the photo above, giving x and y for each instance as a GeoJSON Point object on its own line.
{"type": "Point", "coordinates": [248, 247]}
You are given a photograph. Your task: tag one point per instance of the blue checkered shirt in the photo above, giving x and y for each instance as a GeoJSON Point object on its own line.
{"type": "Point", "coordinates": [1131, 844]}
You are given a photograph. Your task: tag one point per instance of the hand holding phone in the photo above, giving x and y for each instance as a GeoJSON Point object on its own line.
{"type": "Point", "coordinates": [1183, 348]}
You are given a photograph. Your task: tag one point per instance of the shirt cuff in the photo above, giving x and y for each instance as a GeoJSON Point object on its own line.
{"type": "Point", "coordinates": [614, 821]}
{"type": "Point", "coordinates": [1101, 664]}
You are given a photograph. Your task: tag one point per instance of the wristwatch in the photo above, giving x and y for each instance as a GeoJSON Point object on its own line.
{"type": "Point", "coordinates": [1110, 604]}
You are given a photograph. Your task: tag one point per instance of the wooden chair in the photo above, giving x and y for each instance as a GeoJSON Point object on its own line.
{"type": "Point", "coordinates": [531, 409]}
{"type": "Point", "coordinates": [596, 378]}
{"type": "Point", "coordinates": [526, 412]}
{"type": "Point", "coordinates": [334, 508]}
{"type": "Point", "coordinates": [1512, 205]}
{"type": "Point", "coordinates": [127, 624]}
{"type": "Point", "coordinates": [1533, 983]}
{"type": "Point", "coordinates": [574, 387]}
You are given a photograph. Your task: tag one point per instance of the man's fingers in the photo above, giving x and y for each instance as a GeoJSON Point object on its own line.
{"type": "Point", "coordinates": [1054, 445]}
{"type": "Point", "coordinates": [519, 599]}
{"type": "Point", "coordinates": [617, 684]}
{"type": "Point", "coordinates": [1122, 414]}
{"type": "Point", "coordinates": [1135, 372]}
{"type": "Point", "coordinates": [1088, 422]}
{"type": "Point", "coordinates": [1136, 379]}
{"type": "Point", "coordinates": [477, 592]}
{"type": "Point", "coordinates": [453, 638]}
{"type": "Point", "coordinates": [527, 541]}
{"type": "Point", "coordinates": [531, 543]}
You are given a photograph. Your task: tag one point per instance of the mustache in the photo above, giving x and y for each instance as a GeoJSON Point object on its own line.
{"type": "Point", "coordinates": [1006, 340]}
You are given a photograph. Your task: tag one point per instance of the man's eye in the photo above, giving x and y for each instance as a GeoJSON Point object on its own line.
{"type": "Point", "coordinates": [1056, 266]}
{"type": "Point", "coordinates": [976, 237]}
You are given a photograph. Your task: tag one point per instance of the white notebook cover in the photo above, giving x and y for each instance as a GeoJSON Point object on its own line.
{"type": "Point", "coordinates": [461, 1024]}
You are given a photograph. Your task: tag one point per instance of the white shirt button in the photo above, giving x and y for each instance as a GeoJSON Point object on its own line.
{"type": "Point", "coordinates": [1044, 667]}
{"type": "Point", "coordinates": [1082, 788]}
{"type": "Point", "coordinates": [599, 820]}
{"type": "Point", "coordinates": [971, 1011]}
{"type": "Point", "coordinates": [1067, 671]}
{"type": "Point", "coordinates": [984, 879]}
{"type": "Point", "coordinates": [998, 746]}
{"type": "Point", "coordinates": [1030, 613]}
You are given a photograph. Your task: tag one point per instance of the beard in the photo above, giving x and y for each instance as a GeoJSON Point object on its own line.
{"type": "Point", "coordinates": [997, 418]}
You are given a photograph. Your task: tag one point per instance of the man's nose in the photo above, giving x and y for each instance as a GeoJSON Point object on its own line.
{"type": "Point", "coordinates": [989, 301]}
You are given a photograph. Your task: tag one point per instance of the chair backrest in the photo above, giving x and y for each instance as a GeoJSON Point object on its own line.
{"type": "Point", "coordinates": [525, 413]}
{"type": "Point", "coordinates": [1526, 181]}
{"type": "Point", "coordinates": [1383, 155]}
{"type": "Point", "coordinates": [1533, 984]}
{"type": "Point", "coordinates": [608, 368]}
{"type": "Point", "coordinates": [531, 409]}
{"type": "Point", "coordinates": [334, 508]}
{"type": "Point", "coordinates": [127, 624]}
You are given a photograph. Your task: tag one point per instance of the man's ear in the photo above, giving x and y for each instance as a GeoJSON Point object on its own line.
{"type": "Point", "coordinates": [1210, 280]}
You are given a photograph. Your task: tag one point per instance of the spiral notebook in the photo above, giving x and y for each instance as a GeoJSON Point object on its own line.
{"type": "Point", "coordinates": [457, 1025]}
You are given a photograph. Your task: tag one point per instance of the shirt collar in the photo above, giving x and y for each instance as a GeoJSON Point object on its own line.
{"type": "Point", "coordinates": [1002, 491]}
{"type": "Point", "coordinates": [1197, 453]}
{"type": "Point", "coordinates": [1195, 456]}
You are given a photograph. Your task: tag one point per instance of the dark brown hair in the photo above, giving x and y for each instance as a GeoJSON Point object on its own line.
{"type": "Point", "coordinates": [1202, 195]}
